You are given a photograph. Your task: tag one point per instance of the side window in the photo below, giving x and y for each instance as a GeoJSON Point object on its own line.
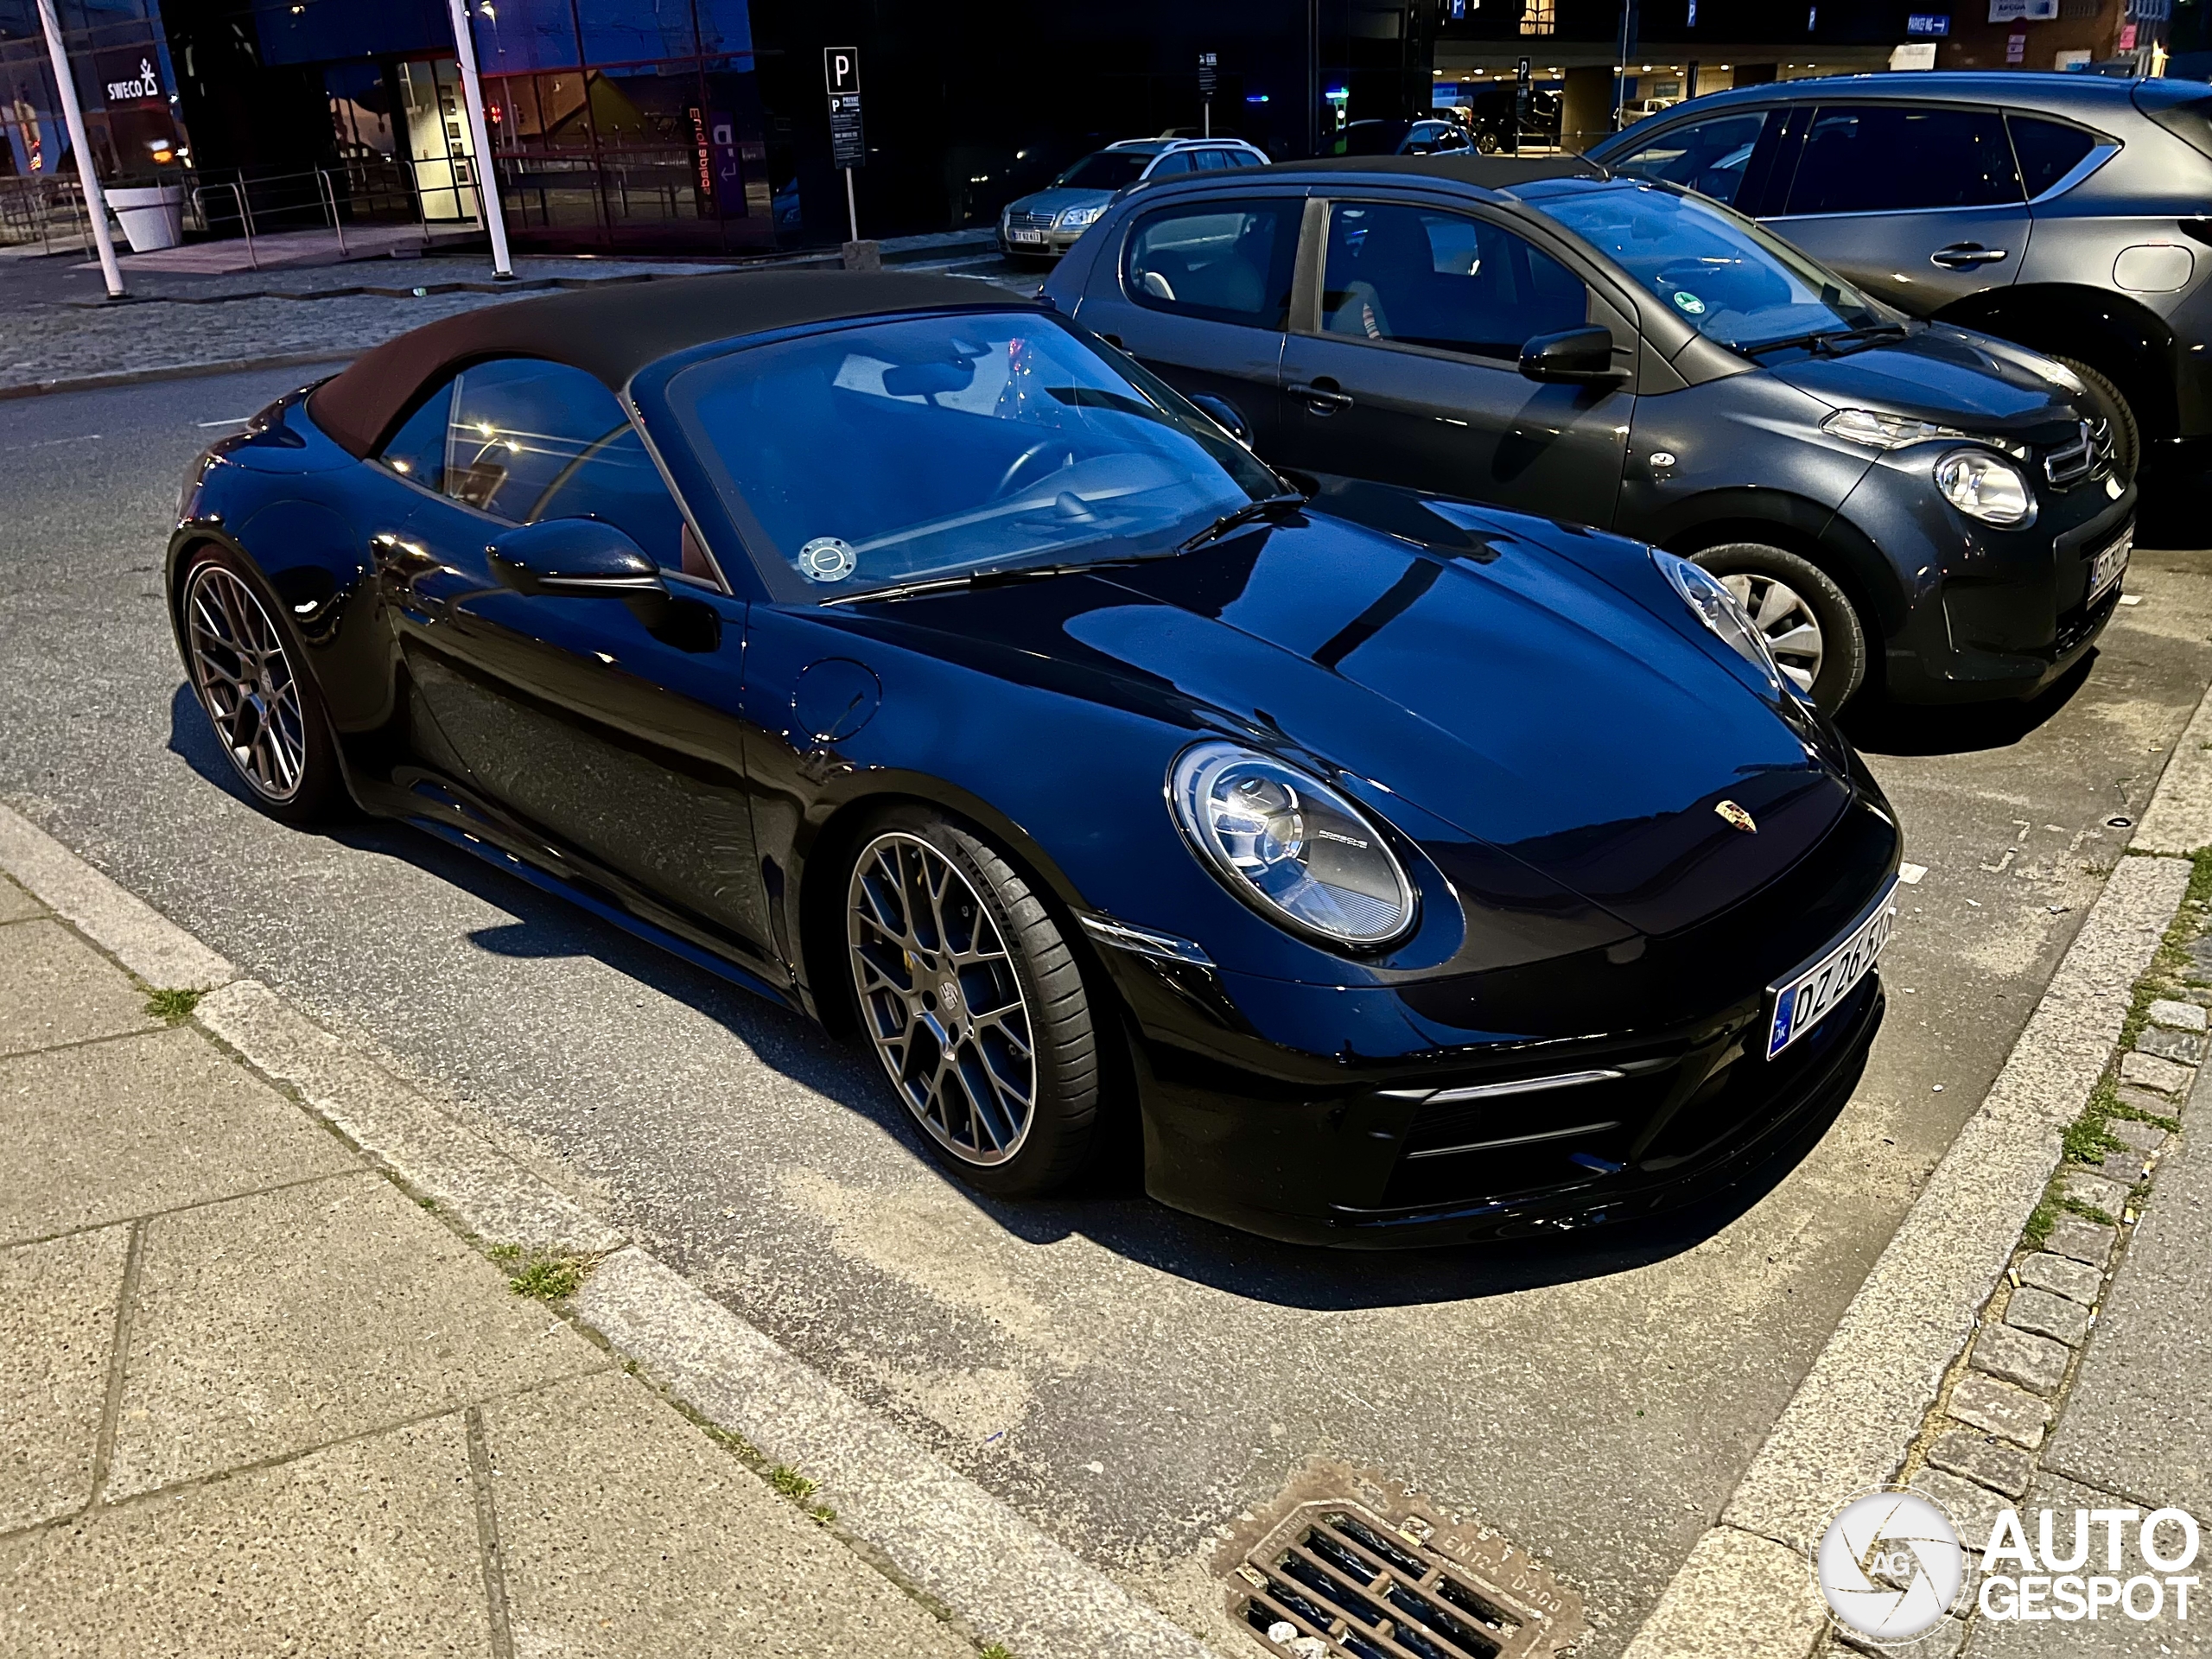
{"type": "Point", "coordinates": [1212, 161]}
{"type": "Point", "coordinates": [1887, 158]}
{"type": "Point", "coordinates": [2047, 150]}
{"type": "Point", "coordinates": [527, 440]}
{"type": "Point", "coordinates": [1244, 158]}
{"type": "Point", "coordinates": [1708, 157]}
{"type": "Point", "coordinates": [1168, 165]}
{"type": "Point", "coordinates": [1421, 277]}
{"type": "Point", "coordinates": [417, 450]}
{"type": "Point", "coordinates": [1225, 261]}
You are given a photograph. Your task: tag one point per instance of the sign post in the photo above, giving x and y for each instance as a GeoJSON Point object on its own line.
{"type": "Point", "coordinates": [841, 75]}
{"type": "Point", "coordinates": [1521, 89]}
{"type": "Point", "coordinates": [88, 175]}
{"type": "Point", "coordinates": [1206, 92]}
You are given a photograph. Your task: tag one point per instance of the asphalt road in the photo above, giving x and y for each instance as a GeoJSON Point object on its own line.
{"type": "Point", "coordinates": [1130, 1378]}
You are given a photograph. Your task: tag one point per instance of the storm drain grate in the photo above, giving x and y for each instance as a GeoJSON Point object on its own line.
{"type": "Point", "coordinates": [1337, 1580]}
{"type": "Point", "coordinates": [1344, 1580]}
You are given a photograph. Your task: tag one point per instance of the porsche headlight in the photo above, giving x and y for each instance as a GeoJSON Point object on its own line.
{"type": "Point", "coordinates": [1718, 609]}
{"type": "Point", "coordinates": [1987, 487]}
{"type": "Point", "coordinates": [1290, 846]}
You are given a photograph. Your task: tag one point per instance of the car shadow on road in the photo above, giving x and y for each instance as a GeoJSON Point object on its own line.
{"type": "Point", "coordinates": [1876, 725]}
{"type": "Point", "coordinates": [1108, 1205]}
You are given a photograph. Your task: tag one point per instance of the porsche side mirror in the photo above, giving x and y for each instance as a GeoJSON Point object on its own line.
{"type": "Point", "coordinates": [1577, 356]}
{"type": "Point", "coordinates": [577, 557]}
{"type": "Point", "coordinates": [1226, 414]}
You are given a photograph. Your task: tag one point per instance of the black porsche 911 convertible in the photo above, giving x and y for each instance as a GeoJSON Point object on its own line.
{"type": "Point", "coordinates": [1414, 872]}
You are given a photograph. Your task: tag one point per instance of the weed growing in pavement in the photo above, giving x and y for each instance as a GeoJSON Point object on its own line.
{"type": "Point", "coordinates": [997, 1650]}
{"type": "Point", "coordinates": [2089, 1138]}
{"type": "Point", "coordinates": [797, 1488]}
{"type": "Point", "coordinates": [505, 1252]}
{"type": "Point", "coordinates": [549, 1278]}
{"type": "Point", "coordinates": [172, 1004]}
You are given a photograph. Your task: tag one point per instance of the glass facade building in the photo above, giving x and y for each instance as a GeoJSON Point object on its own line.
{"type": "Point", "coordinates": [686, 125]}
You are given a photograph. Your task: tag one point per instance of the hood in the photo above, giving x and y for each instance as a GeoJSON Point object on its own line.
{"type": "Point", "coordinates": [1946, 375]}
{"type": "Point", "coordinates": [1506, 691]}
{"type": "Point", "coordinates": [1058, 199]}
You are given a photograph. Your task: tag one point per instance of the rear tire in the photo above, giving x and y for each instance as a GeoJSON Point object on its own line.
{"type": "Point", "coordinates": [1815, 633]}
{"type": "Point", "coordinates": [2107, 401]}
{"type": "Point", "coordinates": [973, 1002]}
{"type": "Point", "coordinates": [256, 690]}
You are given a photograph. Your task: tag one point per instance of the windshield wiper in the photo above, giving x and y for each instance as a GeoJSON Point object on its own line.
{"type": "Point", "coordinates": [1243, 515]}
{"type": "Point", "coordinates": [1822, 343]}
{"type": "Point", "coordinates": [1012, 572]}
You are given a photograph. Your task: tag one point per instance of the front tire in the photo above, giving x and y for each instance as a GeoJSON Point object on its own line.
{"type": "Point", "coordinates": [1815, 634]}
{"type": "Point", "coordinates": [262, 701]}
{"type": "Point", "coordinates": [973, 1002]}
{"type": "Point", "coordinates": [2112, 405]}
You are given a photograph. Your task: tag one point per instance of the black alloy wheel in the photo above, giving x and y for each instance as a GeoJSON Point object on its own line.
{"type": "Point", "coordinates": [973, 1002]}
{"type": "Point", "coordinates": [1816, 636]}
{"type": "Point", "coordinates": [267, 713]}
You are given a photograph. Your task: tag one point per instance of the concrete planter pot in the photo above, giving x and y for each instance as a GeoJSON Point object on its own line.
{"type": "Point", "coordinates": [152, 216]}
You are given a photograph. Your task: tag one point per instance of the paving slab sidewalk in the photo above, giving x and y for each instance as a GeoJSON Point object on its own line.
{"type": "Point", "coordinates": [256, 1399]}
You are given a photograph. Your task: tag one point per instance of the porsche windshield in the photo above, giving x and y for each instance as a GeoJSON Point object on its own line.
{"type": "Point", "coordinates": [1732, 281]}
{"type": "Point", "coordinates": [896, 452]}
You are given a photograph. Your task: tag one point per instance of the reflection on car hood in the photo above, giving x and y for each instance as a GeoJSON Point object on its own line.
{"type": "Point", "coordinates": [1058, 199]}
{"type": "Point", "coordinates": [1942, 374]}
{"type": "Point", "coordinates": [1507, 691]}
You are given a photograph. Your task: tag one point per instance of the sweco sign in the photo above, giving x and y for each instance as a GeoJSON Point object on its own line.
{"type": "Point", "coordinates": [144, 86]}
{"type": "Point", "coordinates": [1891, 1566]}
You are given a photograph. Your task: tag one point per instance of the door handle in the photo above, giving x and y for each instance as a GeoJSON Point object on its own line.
{"type": "Point", "coordinates": [1961, 255]}
{"type": "Point", "coordinates": [1322, 395]}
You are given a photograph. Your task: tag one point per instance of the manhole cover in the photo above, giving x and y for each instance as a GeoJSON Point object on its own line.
{"type": "Point", "coordinates": [1351, 1566]}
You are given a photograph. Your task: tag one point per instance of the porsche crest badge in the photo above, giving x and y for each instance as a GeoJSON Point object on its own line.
{"type": "Point", "coordinates": [1736, 818]}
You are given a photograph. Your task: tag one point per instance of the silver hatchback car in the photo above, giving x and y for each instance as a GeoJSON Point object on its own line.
{"type": "Point", "coordinates": [1045, 223]}
{"type": "Point", "coordinates": [2068, 212]}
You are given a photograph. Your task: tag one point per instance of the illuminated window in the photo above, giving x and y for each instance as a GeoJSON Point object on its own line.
{"type": "Point", "coordinates": [1538, 17]}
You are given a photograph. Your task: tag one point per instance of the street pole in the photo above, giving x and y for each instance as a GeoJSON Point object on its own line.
{"type": "Point", "coordinates": [488, 205]}
{"type": "Point", "coordinates": [88, 175]}
{"type": "Point", "coordinates": [852, 205]}
{"type": "Point", "coordinates": [1620, 70]}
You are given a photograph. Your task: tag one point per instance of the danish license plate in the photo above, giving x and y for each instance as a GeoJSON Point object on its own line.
{"type": "Point", "coordinates": [2111, 564]}
{"type": "Point", "coordinates": [1799, 1004]}
{"type": "Point", "coordinates": [1025, 236]}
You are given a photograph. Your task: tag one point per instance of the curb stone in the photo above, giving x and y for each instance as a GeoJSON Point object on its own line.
{"type": "Point", "coordinates": [993, 1568]}
{"type": "Point", "coordinates": [1865, 1406]}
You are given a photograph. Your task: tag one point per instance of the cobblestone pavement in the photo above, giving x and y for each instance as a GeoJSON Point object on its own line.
{"type": "Point", "coordinates": [58, 327]}
{"type": "Point", "coordinates": [2082, 1387]}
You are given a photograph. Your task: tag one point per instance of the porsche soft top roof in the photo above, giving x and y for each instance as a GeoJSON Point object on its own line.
{"type": "Point", "coordinates": [613, 330]}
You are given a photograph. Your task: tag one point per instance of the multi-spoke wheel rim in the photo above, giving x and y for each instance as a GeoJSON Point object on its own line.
{"type": "Point", "coordinates": [940, 999]}
{"type": "Point", "coordinates": [245, 682]}
{"type": "Point", "coordinates": [1792, 631]}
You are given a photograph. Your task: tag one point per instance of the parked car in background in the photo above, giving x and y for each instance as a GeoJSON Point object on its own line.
{"type": "Point", "coordinates": [1496, 121]}
{"type": "Point", "coordinates": [1432, 135]}
{"type": "Point", "coordinates": [1047, 222]}
{"type": "Point", "coordinates": [2064, 211]}
{"type": "Point", "coordinates": [1889, 499]}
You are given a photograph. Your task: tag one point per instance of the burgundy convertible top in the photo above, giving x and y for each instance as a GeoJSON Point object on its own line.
{"type": "Point", "coordinates": [613, 330]}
